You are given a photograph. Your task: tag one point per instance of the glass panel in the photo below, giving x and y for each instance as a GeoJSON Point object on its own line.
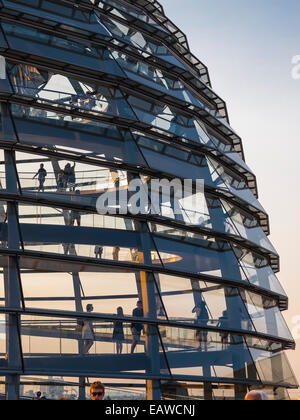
{"type": "Point", "coordinates": [4, 84]}
{"type": "Point", "coordinates": [196, 253]}
{"type": "Point", "coordinates": [237, 158]}
{"type": "Point", "coordinates": [49, 46]}
{"type": "Point", "coordinates": [203, 304]}
{"type": "Point", "coordinates": [223, 176]}
{"type": "Point", "coordinates": [75, 135]}
{"type": "Point", "coordinates": [155, 78]}
{"type": "Point", "coordinates": [247, 226]}
{"type": "Point", "coordinates": [274, 368]}
{"type": "Point", "coordinates": [42, 215]}
{"type": "Point", "coordinates": [225, 355]}
{"type": "Point", "coordinates": [33, 82]}
{"type": "Point", "coordinates": [84, 183]}
{"type": "Point", "coordinates": [50, 388]}
{"type": "Point", "coordinates": [184, 164]}
{"type": "Point", "coordinates": [7, 130]}
{"type": "Point", "coordinates": [75, 286]}
{"type": "Point", "coordinates": [266, 316]}
{"type": "Point", "coordinates": [125, 11]}
{"type": "Point", "coordinates": [115, 245]}
{"type": "Point", "coordinates": [46, 175]}
{"type": "Point", "coordinates": [75, 183]}
{"type": "Point", "coordinates": [173, 160]}
{"type": "Point", "coordinates": [226, 180]}
{"type": "Point", "coordinates": [198, 391]}
{"type": "Point", "coordinates": [132, 36]}
{"type": "Point", "coordinates": [214, 391]}
{"type": "Point", "coordinates": [61, 13]}
{"type": "Point", "coordinates": [178, 200]}
{"type": "Point", "coordinates": [169, 119]}
{"type": "Point", "coordinates": [3, 43]}
{"type": "Point", "coordinates": [56, 343]}
{"type": "Point", "coordinates": [258, 271]}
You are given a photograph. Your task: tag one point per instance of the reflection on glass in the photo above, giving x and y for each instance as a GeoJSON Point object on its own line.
{"type": "Point", "coordinates": [247, 226]}
{"type": "Point", "coordinates": [152, 76]}
{"type": "Point", "coordinates": [168, 119]}
{"type": "Point", "coordinates": [57, 341]}
{"type": "Point", "coordinates": [204, 304]}
{"type": "Point", "coordinates": [196, 253]}
{"type": "Point", "coordinates": [40, 43]}
{"type": "Point", "coordinates": [122, 10]}
{"type": "Point", "coordinates": [225, 355]}
{"type": "Point", "coordinates": [75, 135]}
{"type": "Point", "coordinates": [266, 316]}
{"type": "Point", "coordinates": [71, 286]}
{"type": "Point", "coordinates": [258, 270]}
{"type": "Point", "coordinates": [29, 81]}
{"type": "Point", "coordinates": [274, 368]}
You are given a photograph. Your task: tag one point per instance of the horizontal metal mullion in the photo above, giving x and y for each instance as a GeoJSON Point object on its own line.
{"type": "Point", "coordinates": [100, 42]}
{"type": "Point", "coordinates": [273, 259]}
{"type": "Point", "coordinates": [122, 123]}
{"type": "Point", "coordinates": [147, 321]}
{"type": "Point", "coordinates": [175, 104]}
{"type": "Point", "coordinates": [138, 376]}
{"type": "Point", "coordinates": [139, 267]}
{"type": "Point", "coordinates": [150, 33]}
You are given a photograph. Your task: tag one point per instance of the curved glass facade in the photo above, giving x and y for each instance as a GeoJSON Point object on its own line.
{"type": "Point", "coordinates": [93, 99]}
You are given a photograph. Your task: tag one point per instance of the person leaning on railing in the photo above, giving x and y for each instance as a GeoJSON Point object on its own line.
{"type": "Point", "coordinates": [137, 328]}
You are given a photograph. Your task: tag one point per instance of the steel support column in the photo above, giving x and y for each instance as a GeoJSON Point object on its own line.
{"type": "Point", "coordinates": [11, 279]}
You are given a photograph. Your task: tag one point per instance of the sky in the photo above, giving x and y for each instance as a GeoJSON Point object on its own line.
{"type": "Point", "coordinates": [248, 48]}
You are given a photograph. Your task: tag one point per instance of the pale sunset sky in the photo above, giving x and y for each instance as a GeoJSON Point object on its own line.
{"type": "Point", "coordinates": [248, 48]}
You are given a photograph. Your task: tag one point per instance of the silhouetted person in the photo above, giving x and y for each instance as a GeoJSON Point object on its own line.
{"type": "Point", "coordinates": [69, 173]}
{"type": "Point", "coordinates": [39, 397]}
{"type": "Point", "coordinates": [75, 215]}
{"type": "Point", "coordinates": [88, 332]}
{"type": "Point", "coordinates": [69, 249]}
{"type": "Point", "coordinates": [91, 99]}
{"type": "Point", "coordinates": [223, 323]}
{"type": "Point", "coordinates": [201, 321]}
{"type": "Point", "coordinates": [98, 252]}
{"type": "Point", "coordinates": [118, 334]}
{"type": "Point", "coordinates": [61, 181]}
{"type": "Point", "coordinates": [41, 174]}
{"type": "Point", "coordinates": [137, 328]}
{"type": "Point", "coordinates": [115, 253]}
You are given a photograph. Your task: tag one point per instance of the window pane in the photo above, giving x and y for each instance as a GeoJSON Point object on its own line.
{"type": "Point", "coordinates": [49, 46]}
